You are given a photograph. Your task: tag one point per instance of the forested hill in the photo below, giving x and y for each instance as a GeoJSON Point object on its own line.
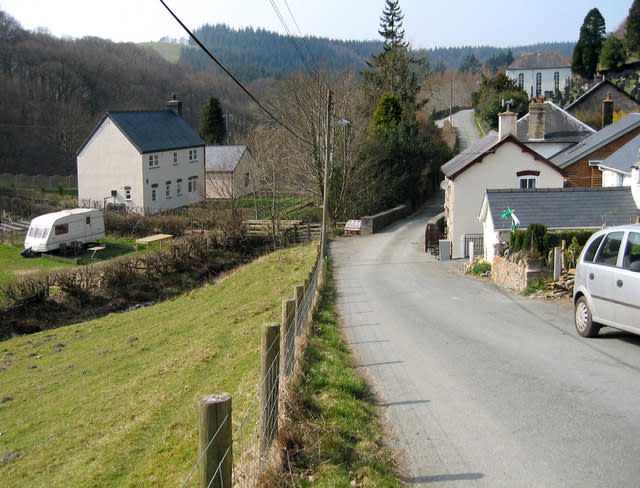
{"type": "Point", "coordinates": [251, 54]}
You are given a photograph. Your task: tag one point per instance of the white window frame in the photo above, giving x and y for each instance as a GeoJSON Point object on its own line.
{"type": "Point", "coordinates": [167, 190]}
{"type": "Point", "coordinates": [530, 182]}
{"type": "Point", "coordinates": [127, 193]}
{"type": "Point", "coordinates": [193, 155]}
{"type": "Point", "coordinates": [179, 187]}
{"type": "Point", "coordinates": [154, 161]}
{"type": "Point", "coordinates": [192, 184]}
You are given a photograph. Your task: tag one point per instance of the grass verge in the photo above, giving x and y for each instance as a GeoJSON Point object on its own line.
{"type": "Point", "coordinates": [113, 402]}
{"type": "Point", "coordinates": [332, 436]}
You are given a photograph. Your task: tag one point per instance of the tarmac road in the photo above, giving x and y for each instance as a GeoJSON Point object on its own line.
{"type": "Point", "coordinates": [482, 387]}
{"type": "Point", "coordinates": [465, 127]}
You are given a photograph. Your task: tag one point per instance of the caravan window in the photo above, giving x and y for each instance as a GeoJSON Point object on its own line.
{"type": "Point", "coordinates": [61, 229]}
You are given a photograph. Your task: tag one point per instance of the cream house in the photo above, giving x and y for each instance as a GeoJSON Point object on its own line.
{"type": "Point", "coordinates": [228, 172]}
{"type": "Point", "coordinates": [498, 160]}
{"type": "Point", "coordinates": [540, 72]}
{"type": "Point", "coordinates": [144, 161]}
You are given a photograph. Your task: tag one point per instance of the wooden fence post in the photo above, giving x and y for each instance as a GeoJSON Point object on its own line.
{"type": "Point", "coordinates": [270, 376]}
{"type": "Point", "coordinates": [288, 336]}
{"type": "Point", "coordinates": [298, 295]}
{"type": "Point", "coordinates": [215, 437]}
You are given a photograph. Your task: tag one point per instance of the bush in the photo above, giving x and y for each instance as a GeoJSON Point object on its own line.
{"type": "Point", "coordinates": [481, 267]}
{"type": "Point", "coordinates": [534, 239]}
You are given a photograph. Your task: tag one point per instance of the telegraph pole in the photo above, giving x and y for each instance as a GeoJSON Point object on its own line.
{"type": "Point", "coordinates": [325, 185]}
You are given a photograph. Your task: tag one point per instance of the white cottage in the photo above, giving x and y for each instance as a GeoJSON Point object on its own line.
{"type": "Point", "coordinates": [144, 161]}
{"type": "Point", "coordinates": [498, 160]}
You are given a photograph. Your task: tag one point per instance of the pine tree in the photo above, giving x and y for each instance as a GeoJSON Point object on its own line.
{"type": "Point", "coordinates": [585, 62]}
{"type": "Point", "coordinates": [632, 34]}
{"type": "Point", "coordinates": [613, 54]}
{"type": "Point", "coordinates": [212, 124]}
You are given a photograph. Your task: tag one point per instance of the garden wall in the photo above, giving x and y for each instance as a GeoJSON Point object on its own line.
{"type": "Point", "coordinates": [375, 223]}
{"type": "Point", "coordinates": [518, 275]}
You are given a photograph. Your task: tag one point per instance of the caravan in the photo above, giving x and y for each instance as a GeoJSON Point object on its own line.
{"type": "Point", "coordinates": [66, 228]}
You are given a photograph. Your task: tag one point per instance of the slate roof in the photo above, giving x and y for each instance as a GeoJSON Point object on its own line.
{"type": "Point", "coordinates": [223, 158]}
{"type": "Point", "coordinates": [597, 87]}
{"type": "Point", "coordinates": [539, 60]}
{"type": "Point", "coordinates": [564, 208]}
{"type": "Point", "coordinates": [560, 126]}
{"type": "Point", "coordinates": [152, 131]}
{"type": "Point", "coordinates": [625, 157]}
{"type": "Point", "coordinates": [597, 140]}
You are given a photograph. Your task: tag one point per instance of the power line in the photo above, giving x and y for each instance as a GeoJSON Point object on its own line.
{"type": "Point", "coordinates": [235, 80]}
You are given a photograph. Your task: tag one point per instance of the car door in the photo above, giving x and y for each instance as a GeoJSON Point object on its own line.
{"type": "Point", "coordinates": [602, 278]}
{"type": "Point", "coordinates": [628, 284]}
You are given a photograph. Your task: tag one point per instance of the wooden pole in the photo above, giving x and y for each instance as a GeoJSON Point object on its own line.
{"type": "Point", "coordinates": [298, 295]}
{"type": "Point", "coordinates": [288, 336]}
{"type": "Point", "coordinates": [215, 436]}
{"type": "Point", "coordinates": [270, 373]}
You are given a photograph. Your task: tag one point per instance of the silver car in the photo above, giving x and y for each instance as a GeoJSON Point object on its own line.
{"type": "Point", "coordinates": [607, 285]}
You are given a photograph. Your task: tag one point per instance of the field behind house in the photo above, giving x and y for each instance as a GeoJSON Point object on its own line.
{"type": "Point", "coordinates": [113, 402]}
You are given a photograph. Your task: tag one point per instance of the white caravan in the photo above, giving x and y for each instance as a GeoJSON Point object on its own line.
{"type": "Point", "coordinates": [67, 228]}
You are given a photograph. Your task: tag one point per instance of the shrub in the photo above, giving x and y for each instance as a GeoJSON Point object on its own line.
{"type": "Point", "coordinates": [534, 239]}
{"type": "Point", "coordinates": [480, 267]}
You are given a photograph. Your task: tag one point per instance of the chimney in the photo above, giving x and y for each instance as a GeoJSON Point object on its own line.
{"type": "Point", "coordinates": [175, 105]}
{"type": "Point", "coordinates": [506, 124]}
{"type": "Point", "coordinates": [537, 116]}
{"type": "Point", "coordinates": [607, 111]}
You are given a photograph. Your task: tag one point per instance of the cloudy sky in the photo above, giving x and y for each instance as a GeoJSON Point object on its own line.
{"type": "Point", "coordinates": [427, 23]}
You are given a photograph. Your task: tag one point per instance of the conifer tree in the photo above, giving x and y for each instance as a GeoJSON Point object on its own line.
{"type": "Point", "coordinates": [212, 124]}
{"type": "Point", "coordinates": [587, 51]}
{"type": "Point", "coordinates": [632, 34]}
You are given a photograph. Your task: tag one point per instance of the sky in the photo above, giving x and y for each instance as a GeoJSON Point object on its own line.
{"type": "Point", "coordinates": [427, 23]}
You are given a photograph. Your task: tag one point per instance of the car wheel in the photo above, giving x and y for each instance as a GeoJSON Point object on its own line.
{"type": "Point", "coordinates": [583, 321]}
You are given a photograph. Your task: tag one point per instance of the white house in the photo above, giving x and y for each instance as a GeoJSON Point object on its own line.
{"type": "Point", "coordinates": [145, 161]}
{"type": "Point", "coordinates": [617, 169]}
{"type": "Point", "coordinates": [498, 160]}
{"type": "Point", "coordinates": [540, 72]}
{"type": "Point", "coordinates": [228, 171]}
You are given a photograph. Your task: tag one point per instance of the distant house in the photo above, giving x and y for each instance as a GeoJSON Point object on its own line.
{"type": "Point", "coordinates": [144, 161]}
{"type": "Point", "coordinates": [540, 72]}
{"type": "Point", "coordinates": [228, 171]}
{"type": "Point", "coordinates": [498, 160]}
{"type": "Point", "coordinates": [590, 107]}
{"type": "Point", "coordinates": [582, 162]}
{"type": "Point", "coordinates": [617, 169]}
{"type": "Point", "coordinates": [557, 208]}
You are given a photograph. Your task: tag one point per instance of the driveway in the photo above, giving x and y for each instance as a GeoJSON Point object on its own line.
{"type": "Point", "coordinates": [481, 387]}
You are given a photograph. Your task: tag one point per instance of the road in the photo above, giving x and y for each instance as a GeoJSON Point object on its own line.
{"type": "Point", "coordinates": [481, 387]}
{"type": "Point", "coordinates": [465, 127]}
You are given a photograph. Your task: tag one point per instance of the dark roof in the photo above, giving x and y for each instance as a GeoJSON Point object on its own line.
{"type": "Point", "coordinates": [487, 145]}
{"type": "Point", "coordinates": [223, 158]}
{"type": "Point", "coordinates": [595, 88]}
{"type": "Point", "coordinates": [596, 141]}
{"type": "Point", "coordinates": [560, 126]}
{"type": "Point", "coordinates": [625, 157]}
{"type": "Point", "coordinates": [151, 131]}
{"type": "Point", "coordinates": [539, 60]}
{"type": "Point", "coordinates": [568, 208]}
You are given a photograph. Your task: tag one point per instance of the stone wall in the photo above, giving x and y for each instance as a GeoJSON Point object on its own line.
{"type": "Point", "coordinates": [374, 223]}
{"type": "Point", "coordinates": [517, 276]}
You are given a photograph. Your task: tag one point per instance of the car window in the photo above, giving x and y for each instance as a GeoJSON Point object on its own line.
{"type": "Point", "coordinates": [608, 253]}
{"type": "Point", "coordinates": [590, 252]}
{"type": "Point", "coordinates": [631, 259]}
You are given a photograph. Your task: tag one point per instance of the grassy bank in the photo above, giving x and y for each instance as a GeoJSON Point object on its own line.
{"type": "Point", "coordinates": [113, 402]}
{"type": "Point", "coordinates": [334, 437]}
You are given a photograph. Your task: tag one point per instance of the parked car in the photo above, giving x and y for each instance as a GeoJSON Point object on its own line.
{"type": "Point", "coordinates": [607, 284]}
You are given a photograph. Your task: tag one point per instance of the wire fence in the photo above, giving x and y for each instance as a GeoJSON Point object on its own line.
{"type": "Point", "coordinates": [241, 459]}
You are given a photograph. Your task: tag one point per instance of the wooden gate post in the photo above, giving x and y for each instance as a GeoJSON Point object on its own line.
{"type": "Point", "coordinates": [215, 437]}
{"type": "Point", "coordinates": [270, 376]}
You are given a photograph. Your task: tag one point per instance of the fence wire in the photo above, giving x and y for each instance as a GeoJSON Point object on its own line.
{"type": "Point", "coordinates": [257, 429]}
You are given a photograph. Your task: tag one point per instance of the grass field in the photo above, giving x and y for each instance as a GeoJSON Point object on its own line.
{"type": "Point", "coordinates": [113, 402]}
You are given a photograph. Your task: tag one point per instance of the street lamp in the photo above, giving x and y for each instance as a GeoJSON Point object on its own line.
{"type": "Point", "coordinates": [325, 186]}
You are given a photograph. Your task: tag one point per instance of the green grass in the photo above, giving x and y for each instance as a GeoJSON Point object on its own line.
{"type": "Point", "coordinates": [336, 418]}
{"type": "Point", "coordinates": [113, 402]}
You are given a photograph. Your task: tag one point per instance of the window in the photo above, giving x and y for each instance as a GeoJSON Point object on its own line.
{"type": "Point", "coordinates": [631, 259]}
{"type": "Point", "coordinates": [179, 186]}
{"type": "Point", "coordinates": [61, 229]}
{"type": "Point", "coordinates": [192, 184]}
{"type": "Point", "coordinates": [521, 80]}
{"type": "Point", "coordinates": [167, 191]}
{"type": "Point", "coordinates": [153, 161]}
{"type": "Point", "coordinates": [528, 182]}
{"type": "Point", "coordinates": [556, 81]}
{"type": "Point", "coordinates": [538, 84]}
{"type": "Point", "coordinates": [87, 220]}
{"type": "Point", "coordinates": [154, 192]}
{"type": "Point", "coordinates": [127, 193]}
{"type": "Point", "coordinates": [175, 158]}
{"type": "Point", "coordinates": [246, 180]}
{"type": "Point", "coordinates": [608, 253]}
{"type": "Point", "coordinates": [193, 155]}
{"type": "Point", "coordinates": [590, 253]}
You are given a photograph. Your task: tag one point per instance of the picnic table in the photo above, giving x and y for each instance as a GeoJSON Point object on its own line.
{"type": "Point", "coordinates": [155, 238]}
